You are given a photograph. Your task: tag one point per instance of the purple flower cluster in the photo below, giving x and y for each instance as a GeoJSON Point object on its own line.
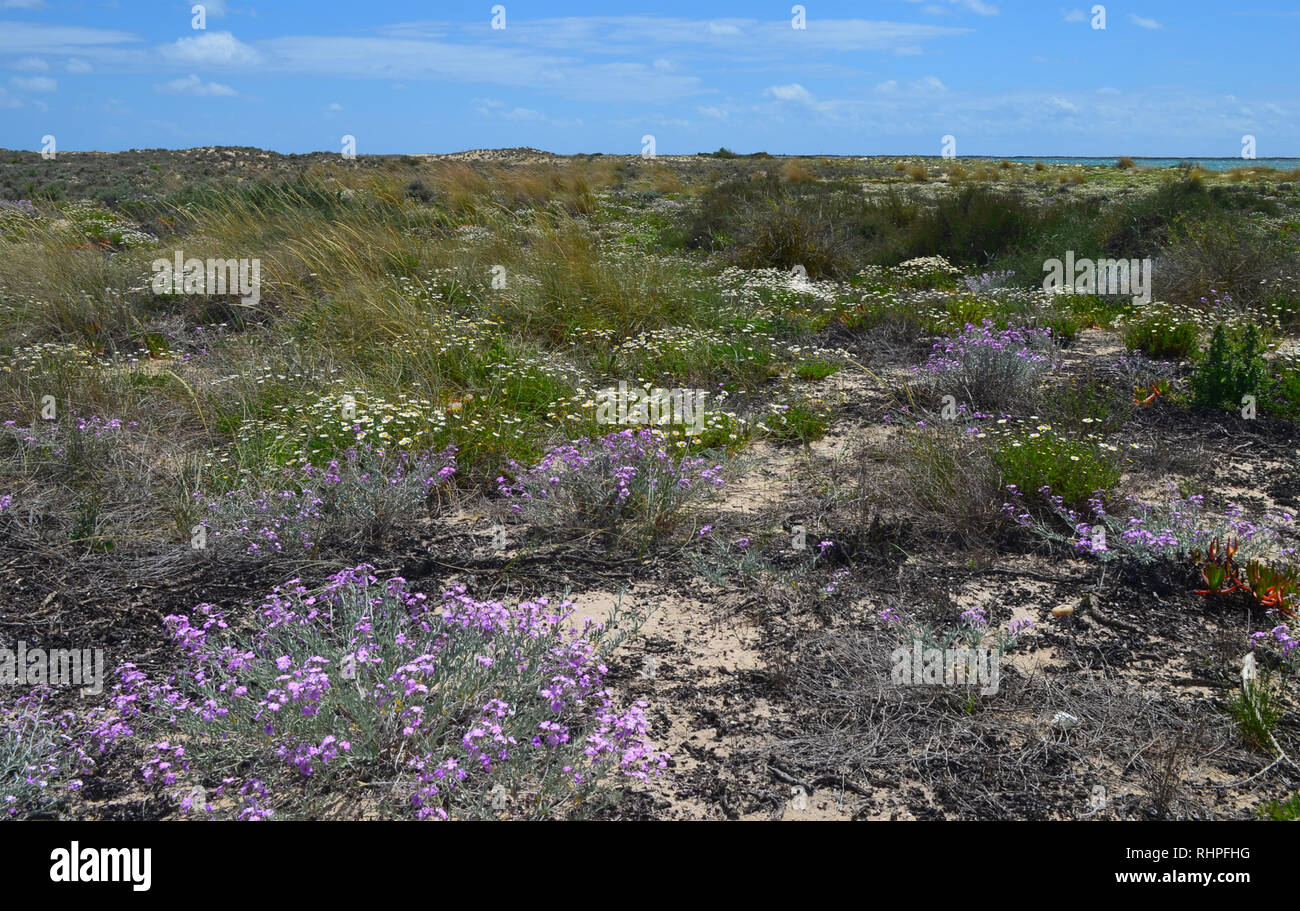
{"type": "Point", "coordinates": [1147, 532]}
{"type": "Point", "coordinates": [363, 677]}
{"type": "Point", "coordinates": [975, 345]}
{"type": "Point", "coordinates": [43, 755]}
{"type": "Point", "coordinates": [364, 485]}
{"type": "Point", "coordinates": [993, 368]}
{"type": "Point", "coordinates": [1280, 637]}
{"type": "Point", "coordinates": [21, 206]}
{"type": "Point", "coordinates": [55, 438]}
{"type": "Point", "coordinates": [626, 478]}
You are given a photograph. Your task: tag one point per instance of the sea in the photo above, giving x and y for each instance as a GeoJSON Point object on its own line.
{"type": "Point", "coordinates": [1210, 164]}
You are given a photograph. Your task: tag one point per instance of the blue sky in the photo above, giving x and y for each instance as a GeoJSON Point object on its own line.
{"type": "Point", "coordinates": [1180, 78]}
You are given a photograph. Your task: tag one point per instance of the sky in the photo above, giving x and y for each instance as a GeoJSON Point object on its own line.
{"type": "Point", "coordinates": [1181, 78]}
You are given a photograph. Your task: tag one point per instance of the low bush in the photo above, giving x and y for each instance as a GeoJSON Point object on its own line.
{"type": "Point", "coordinates": [353, 500]}
{"type": "Point", "coordinates": [365, 690]}
{"type": "Point", "coordinates": [625, 484]}
{"type": "Point", "coordinates": [1043, 465]}
{"type": "Point", "coordinates": [1159, 333]}
{"type": "Point", "coordinates": [1231, 369]}
{"type": "Point", "coordinates": [989, 368]}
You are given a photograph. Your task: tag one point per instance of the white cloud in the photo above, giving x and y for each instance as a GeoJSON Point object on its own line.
{"type": "Point", "coordinates": [193, 85]}
{"type": "Point", "coordinates": [334, 106]}
{"type": "Point", "coordinates": [31, 65]}
{"type": "Point", "coordinates": [975, 6]}
{"type": "Point", "coordinates": [581, 58]}
{"type": "Point", "coordinates": [40, 38]}
{"type": "Point", "coordinates": [924, 85]}
{"type": "Point", "coordinates": [22, 4]}
{"type": "Point", "coordinates": [1074, 15]}
{"type": "Point", "coordinates": [215, 48]}
{"type": "Point", "coordinates": [496, 109]}
{"type": "Point", "coordinates": [751, 39]}
{"type": "Point", "coordinates": [35, 83]}
{"type": "Point", "coordinates": [523, 114]}
{"type": "Point", "coordinates": [77, 66]}
{"type": "Point", "coordinates": [1142, 22]}
{"type": "Point", "coordinates": [794, 93]}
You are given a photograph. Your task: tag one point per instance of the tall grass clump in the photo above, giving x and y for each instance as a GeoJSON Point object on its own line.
{"type": "Point", "coordinates": [939, 476]}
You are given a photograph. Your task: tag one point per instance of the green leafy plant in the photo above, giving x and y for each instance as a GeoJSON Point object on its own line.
{"type": "Point", "coordinates": [1159, 335]}
{"type": "Point", "coordinates": [815, 370]}
{"type": "Point", "coordinates": [1281, 810]}
{"type": "Point", "coordinates": [1256, 712]}
{"type": "Point", "coordinates": [1074, 471]}
{"type": "Point", "coordinates": [794, 424]}
{"type": "Point", "coordinates": [1231, 369]}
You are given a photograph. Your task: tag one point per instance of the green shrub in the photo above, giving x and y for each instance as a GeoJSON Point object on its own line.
{"type": "Point", "coordinates": [1282, 810]}
{"type": "Point", "coordinates": [815, 370]}
{"type": "Point", "coordinates": [1231, 369]}
{"type": "Point", "coordinates": [1063, 326]}
{"type": "Point", "coordinates": [794, 424]}
{"type": "Point", "coordinates": [1071, 470]}
{"type": "Point", "coordinates": [972, 226]}
{"type": "Point", "coordinates": [1211, 260]}
{"type": "Point", "coordinates": [1158, 334]}
{"type": "Point", "coordinates": [1282, 395]}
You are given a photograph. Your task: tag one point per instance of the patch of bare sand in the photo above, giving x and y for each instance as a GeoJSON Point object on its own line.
{"type": "Point", "coordinates": [684, 661]}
